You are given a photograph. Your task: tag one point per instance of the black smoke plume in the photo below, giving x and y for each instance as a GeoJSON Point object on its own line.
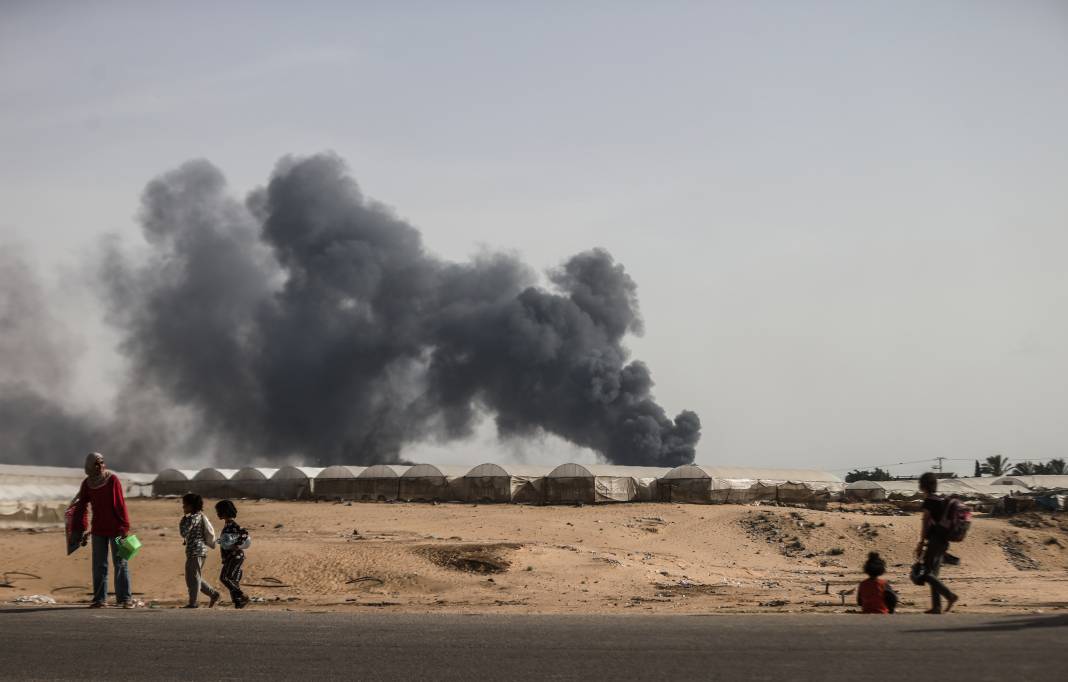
{"type": "Point", "coordinates": [310, 322]}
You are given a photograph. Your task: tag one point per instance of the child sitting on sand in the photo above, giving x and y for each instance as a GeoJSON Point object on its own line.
{"type": "Point", "coordinates": [233, 542]}
{"type": "Point", "coordinates": [875, 594]}
{"type": "Point", "coordinates": [199, 536]}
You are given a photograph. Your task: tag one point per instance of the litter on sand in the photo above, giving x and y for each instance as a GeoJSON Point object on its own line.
{"type": "Point", "coordinates": [34, 599]}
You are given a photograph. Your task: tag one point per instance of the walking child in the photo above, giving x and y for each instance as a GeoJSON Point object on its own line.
{"type": "Point", "coordinates": [935, 535]}
{"type": "Point", "coordinates": [199, 536]}
{"type": "Point", "coordinates": [233, 541]}
{"type": "Point", "coordinates": [875, 595]}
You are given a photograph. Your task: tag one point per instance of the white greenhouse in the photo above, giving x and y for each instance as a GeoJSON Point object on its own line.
{"type": "Point", "coordinates": [337, 482]}
{"type": "Point", "coordinates": [432, 483]}
{"type": "Point", "coordinates": [574, 483]}
{"type": "Point", "coordinates": [252, 482]}
{"type": "Point", "coordinates": [213, 483]}
{"type": "Point", "coordinates": [293, 483]}
{"type": "Point", "coordinates": [379, 482]}
{"type": "Point", "coordinates": [505, 483]}
{"type": "Point", "coordinates": [703, 484]}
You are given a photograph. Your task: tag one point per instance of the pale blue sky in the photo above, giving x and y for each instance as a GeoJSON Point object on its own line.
{"type": "Point", "coordinates": [847, 220]}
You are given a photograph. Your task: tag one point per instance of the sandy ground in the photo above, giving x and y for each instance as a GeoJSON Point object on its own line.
{"type": "Point", "coordinates": [663, 558]}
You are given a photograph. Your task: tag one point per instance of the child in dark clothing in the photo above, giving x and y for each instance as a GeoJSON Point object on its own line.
{"type": "Point", "coordinates": [232, 542]}
{"type": "Point", "coordinates": [933, 544]}
{"type": "Point", "coordinates": [875, 594]}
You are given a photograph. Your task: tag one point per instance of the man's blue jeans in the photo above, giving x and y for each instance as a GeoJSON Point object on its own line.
{"type": "Point", "coordinates": [100, 571]}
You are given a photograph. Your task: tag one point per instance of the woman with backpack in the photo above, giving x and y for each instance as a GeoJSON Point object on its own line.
{"type": "Point", "coordinates": [934, 541]}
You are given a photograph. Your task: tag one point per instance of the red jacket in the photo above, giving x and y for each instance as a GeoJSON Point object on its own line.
{"type": "Point", "coordinates": [110, 518]}
{"type": "Point", "coordinates": [871, 595]}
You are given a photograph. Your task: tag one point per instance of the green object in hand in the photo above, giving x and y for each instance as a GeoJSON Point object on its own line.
{"type": "Point", "coordinates": [128, 547]}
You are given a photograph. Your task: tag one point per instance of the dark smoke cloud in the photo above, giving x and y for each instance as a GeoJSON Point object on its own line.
{"type": "Point", "coordinates": [310, 322]}
{"type": "Point", "coordinates": [35, 372]}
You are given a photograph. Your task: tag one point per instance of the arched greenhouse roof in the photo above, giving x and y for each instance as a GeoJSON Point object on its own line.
{"type": "Point", "coordinates": [340, 471]}
{"type": "Point", "coordinates": [434, 471]}
{"type": "Point", "coordinates": [213, 474]}
{"type": "Point", "coordinates": [291, 472]}
{"type": "Point", "coordinates": [168, 475]}
{"type": "Point", "coordinates": [384, 471]}
{"type": "Point", "coordinates": [254, 474]}
{"type": "Point", "coordinates": [491, 470]}
{"type": "Point", "coordinates": [572, 470]}
{"type": "Point", "coordinates": [751, 473]}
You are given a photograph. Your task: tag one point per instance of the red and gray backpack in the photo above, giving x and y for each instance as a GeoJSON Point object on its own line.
{"type": "Point", "coordinates": [956, 519]}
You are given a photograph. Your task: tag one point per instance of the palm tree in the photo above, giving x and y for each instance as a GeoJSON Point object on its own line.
{"type": "Point", "coordinates": [1057, 467]}
{"type": "Point", "coordinates": [996, 465]}
{"type": "Point", "coordinates": [1025, 469]}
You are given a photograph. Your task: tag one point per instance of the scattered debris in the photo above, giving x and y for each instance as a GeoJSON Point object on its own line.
{"type": "Point", "coordinates": [1014, 552]}
{"type": "Point", "coordinates": [769, 528]}
{"type": "Point", "coordinates": [867, 531]}
{"type": "Point", "coordinates": [34, 599]}
{"type": "Point", "coordinates": [774, 603]}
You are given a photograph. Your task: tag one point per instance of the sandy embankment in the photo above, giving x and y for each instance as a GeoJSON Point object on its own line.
{"type": "Point", "coordinates": [663, 558]}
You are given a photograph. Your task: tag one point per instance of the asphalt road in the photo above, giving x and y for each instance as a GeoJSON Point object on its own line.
{"type": "Point", "coordinates": [78, 643]}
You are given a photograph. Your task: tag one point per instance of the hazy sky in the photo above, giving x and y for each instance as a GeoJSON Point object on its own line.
{"type": "Point", "coordinates": [847, 220]}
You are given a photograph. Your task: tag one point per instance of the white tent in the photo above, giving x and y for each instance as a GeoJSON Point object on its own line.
{"type": "Point", "coordinates": [720, 484]}
{"type": "Point", "coordinates": [30, 482]}
{"type": "Point", "coordinates": [906, 489]}
{"type": "Point", "coordinates": [570, 483]}
{"type": "Point", "coordinates": [379, 482]}
{"type": "Point", "coordinates": [212, 482]}
{"type": "Point", "coordinates": [293, 483]}
{"type": "Point", "coordinates": [1044, 482]}
{"type": "Point", "coordinates": [252, 481]}
{"type": "Point", "coordinates": [337, 482]}
{"type": "Point", "coordinates": [431, 482]}
{"type": "Point", "coordinates": [876, 491]}
{"type": "Point", "coordinates": [505, 483]}
{"type": "Point", "coordinates": [173, 482]}
{"type": "Point", "coordinates": [977, 488]}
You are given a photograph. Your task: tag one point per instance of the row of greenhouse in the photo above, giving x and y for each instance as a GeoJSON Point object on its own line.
{"type": "Point", "coordinates": [565, 484]}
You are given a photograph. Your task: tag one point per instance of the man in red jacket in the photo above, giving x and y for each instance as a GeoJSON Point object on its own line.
{"type": "Point", "coordinates": [102, 490]}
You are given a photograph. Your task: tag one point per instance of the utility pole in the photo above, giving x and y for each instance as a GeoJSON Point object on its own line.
{"type": "Point", "coordinates": [939, 466]}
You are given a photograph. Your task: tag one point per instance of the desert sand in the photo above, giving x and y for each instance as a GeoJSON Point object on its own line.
{"type": "Point", "coordinates": [661, 558]}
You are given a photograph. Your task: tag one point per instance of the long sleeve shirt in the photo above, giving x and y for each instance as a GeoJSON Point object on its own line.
{"type": "Point", "coordinates": [110, 517]}
{"type": "Point", "coordinates": [232, 540]}
{"type": "Point", "coordinates": [198, 534]}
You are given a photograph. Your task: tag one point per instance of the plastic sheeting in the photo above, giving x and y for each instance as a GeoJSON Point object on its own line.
{"type": "Point", "coordinates": [28, 482]}
{"type": "Point", "coordinates": [1044, 482]}
{"type": "Point", "coordinates": [907, 489]}
{"type": "Point", "coordinates": [252, 482]}
{"type": "Point", "coordinates": [505, 483]}
{"type": "Point", "coordinates": [701, 484]}
{"type": "Point", "coordinates": [573, 483]}
{"type": "Point", "coordinates": [213, 483]}
{"type": "Point", "coordinates": [432, 483]}
{"type": "Point", "coordinates": [173, 482]}
{"type": "Point", "coordinates": [16, 513]}
{"type": "Point", "coordinates": [293, 483]}
{"type": "Point", "coordinates": [337, 482]}
{"type": "Point", "coordinates": [379, 482]}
